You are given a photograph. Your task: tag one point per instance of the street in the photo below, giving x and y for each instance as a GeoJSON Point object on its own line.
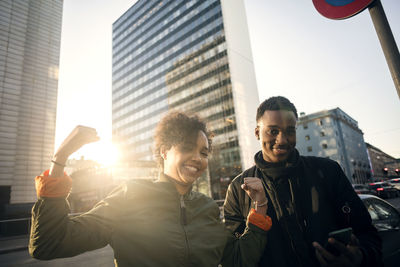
{"type": "Point", "coordinates": [102, 257]}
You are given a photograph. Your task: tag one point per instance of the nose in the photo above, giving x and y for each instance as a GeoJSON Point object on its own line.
{"type": "Point", "coordinates": [281, 138]}
{"type": "Point", "coordinates": [196, 156]}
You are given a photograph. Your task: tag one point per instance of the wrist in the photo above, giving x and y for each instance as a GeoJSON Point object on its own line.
{"type": "Point", "coordinates": [261, 206]}
{"type": "Point", "coordinates": [261, 210]}
{"type": "Point", "coordinates": [261, 203]}
{"type": "Point", "coordinates": [61, 159]}
{"type": "Point", "coordinates": [58, 163]}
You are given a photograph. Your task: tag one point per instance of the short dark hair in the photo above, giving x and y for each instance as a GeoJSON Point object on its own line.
{"type": "Point", "coordinates": [177, 128]}
{"type": "Point", "coordinates": [275, 103]}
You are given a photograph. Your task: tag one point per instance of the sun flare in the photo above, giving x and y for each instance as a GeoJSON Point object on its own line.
{"type": "Point", "coordinates": [103, 151]}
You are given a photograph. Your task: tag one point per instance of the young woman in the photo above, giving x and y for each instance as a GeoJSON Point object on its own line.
{"type": "Point", "coordinates": [162, 223]}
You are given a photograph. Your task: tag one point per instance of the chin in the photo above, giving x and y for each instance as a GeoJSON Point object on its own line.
{"type": "Point", "coordinates": [189, 179]}
{"type": "Point", "coordinates": [277, 159]}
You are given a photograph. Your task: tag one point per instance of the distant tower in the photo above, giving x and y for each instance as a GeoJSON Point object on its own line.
{"type": "Point", "coordinates": [193, 56]}
{"type": "Point", "coordinates": [334, 134]}
{"type": "Point", "coordinates": [30, 34]}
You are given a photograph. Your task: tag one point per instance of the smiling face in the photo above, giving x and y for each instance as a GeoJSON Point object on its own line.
{"type": "Point", "coordinates": [276, 130]}
{"type": "Point", "coordinates": [187, 162]}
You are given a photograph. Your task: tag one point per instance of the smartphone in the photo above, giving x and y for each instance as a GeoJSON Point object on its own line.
{"type": "Point", "coordinates": [342, 235]}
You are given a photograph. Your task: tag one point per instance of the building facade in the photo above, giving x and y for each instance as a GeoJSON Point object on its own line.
{"type": "Point", "coordinates": [334, 134]}
{"type": "Point", "coordinates": [30, 33]}
{"type": "Point", "coordinates": [192, 56]}
{"type": "Point", "coordinates": [383, 165]}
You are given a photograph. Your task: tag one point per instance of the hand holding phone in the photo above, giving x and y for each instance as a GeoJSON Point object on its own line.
{"type": "Point", "coordinates": [345, 251]}
{"type": "Point", "coordinates": [342, 235]}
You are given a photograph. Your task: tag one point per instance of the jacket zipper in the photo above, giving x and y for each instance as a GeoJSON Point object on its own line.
{"type": "Point", "coordinates": [183, 223]}
{"type": "Point", "coordinates": [284, 220]}
{"type": "Point", "coordinates": [296, 210]}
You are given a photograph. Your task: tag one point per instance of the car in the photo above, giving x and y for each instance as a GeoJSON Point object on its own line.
{"type": "Point", "coordinates": [384, 189]}
{"type": "Point", "coordinates": [395, 182]}
{"type": "Point", "coordinates": [386, 219]}
{"type": "Point", "coordinates": [363, 189]}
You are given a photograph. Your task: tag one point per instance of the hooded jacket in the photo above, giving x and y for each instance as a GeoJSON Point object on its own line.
{"type": "Point", "coordinates": [147, 224]}
{"type": "Point", "coordinates": [309, 197]}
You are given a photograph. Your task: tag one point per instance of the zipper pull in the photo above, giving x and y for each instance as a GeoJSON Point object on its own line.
{"type": "Point", "coordinates": [183, 211]}
{"type": "Point", "coordinates": [346, 210]}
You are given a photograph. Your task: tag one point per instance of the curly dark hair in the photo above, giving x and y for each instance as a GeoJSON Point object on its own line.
{"type": "Point", "coordinates": [275, 103]}
{"type": "Point", "coordinates": [177, 128]}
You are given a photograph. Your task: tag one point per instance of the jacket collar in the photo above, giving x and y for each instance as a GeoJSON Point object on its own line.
{"type": "Point", "coordinates": [170, 182]}
{"type": "Point", "coordinates": [280, 169]}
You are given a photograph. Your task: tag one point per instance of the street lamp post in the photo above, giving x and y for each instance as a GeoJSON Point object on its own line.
{"type": "Point", "coordinates": [387, 41]}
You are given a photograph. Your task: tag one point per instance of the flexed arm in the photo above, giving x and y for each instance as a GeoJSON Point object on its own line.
{"type": "Point", "coordinates": [54, 234]}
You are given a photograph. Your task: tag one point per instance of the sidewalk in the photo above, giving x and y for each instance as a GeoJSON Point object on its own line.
{"type": "Point", "coordinates": [13, 243]}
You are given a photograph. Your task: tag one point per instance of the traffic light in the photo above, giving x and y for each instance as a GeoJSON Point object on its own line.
{"type": "Point", "coordinates": [385, 171]}
{"type": "Point", "coordinates": [397, 171]}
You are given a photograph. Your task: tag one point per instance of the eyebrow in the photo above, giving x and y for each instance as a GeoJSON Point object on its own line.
{"type": "Point", "coordinates": [275, 126]}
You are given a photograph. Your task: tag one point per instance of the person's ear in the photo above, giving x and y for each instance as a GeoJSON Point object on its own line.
{"type": "Point", "coordinates": [257, 132]}
{"type": "Point", "coordinates": [163, 152]}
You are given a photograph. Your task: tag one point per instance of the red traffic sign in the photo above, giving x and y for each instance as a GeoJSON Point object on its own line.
{"type": "Point", "coordinates": [340, 9]}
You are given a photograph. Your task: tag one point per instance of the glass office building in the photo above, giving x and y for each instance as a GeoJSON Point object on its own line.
{"type": "Point", "coordinates": [30, 33]}
{"type": "Point", "coordinates": [192, 56]}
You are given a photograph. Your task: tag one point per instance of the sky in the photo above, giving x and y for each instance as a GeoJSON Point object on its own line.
{"type": "Point", "coordinates": [316, 62]}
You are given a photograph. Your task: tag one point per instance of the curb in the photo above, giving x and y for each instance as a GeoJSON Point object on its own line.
{"type": "Point", "coordinates": [9, 250]}
{"type": "Point", "coordinates": [11, 244]}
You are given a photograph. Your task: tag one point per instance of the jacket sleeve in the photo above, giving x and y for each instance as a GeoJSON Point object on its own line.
{"type": "Point", "coordinates": [245, 250]}
{"type": "Point", "coordinates": [359, 218]}
{"type": "Point", "coordinates": [54, 234]}
{"type": "Point", "coordinates": [242, 249]}
{"type": "Point", "coordinates": [233, 215]}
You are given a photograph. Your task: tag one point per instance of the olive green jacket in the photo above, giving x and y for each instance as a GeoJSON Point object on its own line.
{"type": "Point", "coordinates": [147, 224]}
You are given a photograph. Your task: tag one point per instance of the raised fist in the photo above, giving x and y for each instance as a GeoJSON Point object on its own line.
{"type": "Point", "coordinates": [79, 136]}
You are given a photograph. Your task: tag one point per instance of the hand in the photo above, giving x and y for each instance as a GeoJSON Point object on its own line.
{"type": "Point", "coordinates": [255, 189]}
{"type": "Point", "coordinates": [350, 255]}
{"type": "Point", "coordinates": [79, 136]}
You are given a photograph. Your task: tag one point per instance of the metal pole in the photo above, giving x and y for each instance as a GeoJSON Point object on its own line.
{"type": "Point", "coordinates": [387, 41]}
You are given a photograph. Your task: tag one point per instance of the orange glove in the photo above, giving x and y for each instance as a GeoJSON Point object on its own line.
{"type": "Point", "coordinates": [52, 187]}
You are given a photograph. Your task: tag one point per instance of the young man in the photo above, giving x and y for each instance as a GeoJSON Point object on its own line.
{"type": "Point", "coordinates": [308, 198]}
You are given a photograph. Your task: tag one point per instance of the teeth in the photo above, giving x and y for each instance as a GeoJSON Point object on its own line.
{"type": "Point", "coordinates": [190, 168]}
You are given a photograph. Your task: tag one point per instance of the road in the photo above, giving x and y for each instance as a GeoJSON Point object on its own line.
{"type": "Point", "coordinates": [99, 258]}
